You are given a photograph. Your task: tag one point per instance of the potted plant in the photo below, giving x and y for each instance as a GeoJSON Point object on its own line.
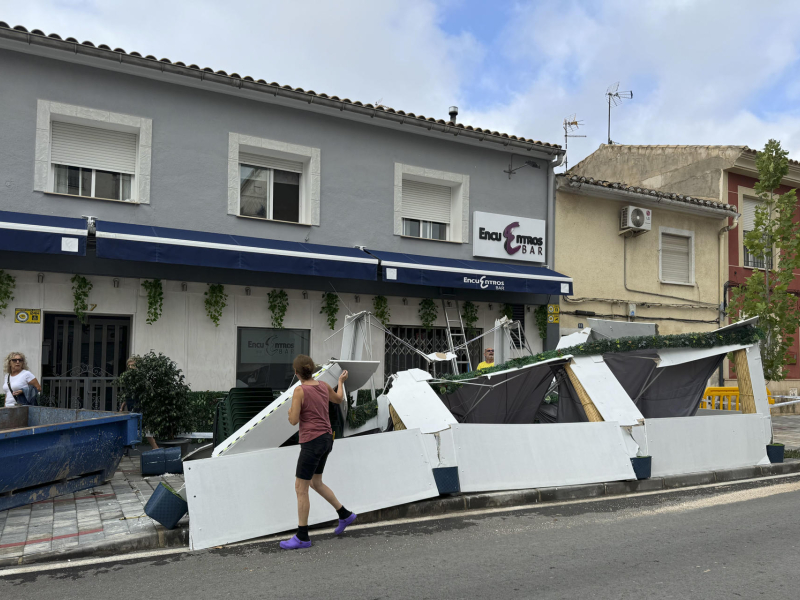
{"type": "Point", "coordinates": [159, 387]}
{"type": "Point", "coordinates": [775, 452]}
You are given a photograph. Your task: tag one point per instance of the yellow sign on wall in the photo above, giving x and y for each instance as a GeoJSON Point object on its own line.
{"type": "Point", "coordinates": [29, 316]}
{"type": "Point", "coordinates": [553, 312]}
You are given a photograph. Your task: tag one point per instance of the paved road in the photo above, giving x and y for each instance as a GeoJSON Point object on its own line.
{"type": "Point", "coordinates": [725, 542]}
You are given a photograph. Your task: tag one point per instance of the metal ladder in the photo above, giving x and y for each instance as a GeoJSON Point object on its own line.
{"type": "Point", "coordinates": [456, 339]}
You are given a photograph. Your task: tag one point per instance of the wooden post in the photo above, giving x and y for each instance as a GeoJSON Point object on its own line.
{"type": "Point", "coordinates": [588, 406]}
{"type": "Point", "coordinates": [396, 421]}
{"type": "Point", "coordinates": [747, 401]}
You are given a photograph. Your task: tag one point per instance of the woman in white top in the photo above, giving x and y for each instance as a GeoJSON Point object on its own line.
{"type": "Point", "coordinates": [17, 377]}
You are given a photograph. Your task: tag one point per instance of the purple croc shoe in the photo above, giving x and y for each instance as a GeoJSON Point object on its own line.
{"type": "Point", "coordinates": [295, 543]}
{"type": "Point", "coordinates": [343, 523]}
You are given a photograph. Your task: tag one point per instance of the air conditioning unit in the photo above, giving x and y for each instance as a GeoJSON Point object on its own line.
{"type": "Point", "coordinates": [633, 218]}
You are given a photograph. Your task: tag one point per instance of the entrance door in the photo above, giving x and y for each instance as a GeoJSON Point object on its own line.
{"type": "Point", "coordinates": [81, 361]}
{"type": "Point", "coordinates": [398, 356]}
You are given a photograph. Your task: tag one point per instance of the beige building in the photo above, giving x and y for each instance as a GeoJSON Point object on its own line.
{"type": "Point", "coordinates": [638, 254]}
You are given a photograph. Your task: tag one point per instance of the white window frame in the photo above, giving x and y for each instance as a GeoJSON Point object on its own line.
{"type": "Point", "coordinates": [48, 111]}
{"type": "Point", "coordinates": [751, 194]}
{"type": "Point", "coordinates": [458, 228]}
{"type": "Point", "coordinates": [682, 233]}
{"type": "Point", "coordinates": [309, 179]}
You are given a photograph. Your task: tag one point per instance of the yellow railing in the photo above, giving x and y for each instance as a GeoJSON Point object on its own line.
{"type": "Point", "coordinates": [725, 398]}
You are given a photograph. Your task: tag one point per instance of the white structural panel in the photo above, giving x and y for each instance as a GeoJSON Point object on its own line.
{"type": "Point", "coordinates": [270, 428]}
{"type": "Point", "coordinates": [244, 496]}
{"type": "Point", "coordinates": [679, 356]}
{"type": "Point", "coordinates": [513, 457]}
{"type": "Point", "coordinates": [694, 444]}
{"type": "Point", "coordinates": [417, 404]}
{"type": "Point", "coordinates": [605, 390]}
{"type": "Point", "coordinates": [757, 380]}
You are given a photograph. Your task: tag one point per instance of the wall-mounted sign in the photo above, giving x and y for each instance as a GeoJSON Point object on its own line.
{"type": "Point", "coordinates": [553, 313]}
{"type": "Point", "coordinates": [30, 316]}
{"type": "Point", "coordinates": [504, 236]}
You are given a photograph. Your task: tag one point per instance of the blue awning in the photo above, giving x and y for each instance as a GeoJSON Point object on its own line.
{"type": "Point", "coordinates": [20, 232]}
{"type": "Point", "coordinates": [472, 274]}
{"type": "Point", "coordinates": [181, 247]}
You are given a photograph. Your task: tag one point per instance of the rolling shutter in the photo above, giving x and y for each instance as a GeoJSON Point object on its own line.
{"type": "Point", "coordinates": [749, 214]}
{"type": "Point", "coordinates": [676, 257]}
{"type": "Point", "coordinates": [93, 148]}
{"type": "Point", "coordinates": [270, 162]}
{"type": "Point", "coordinates": [426, 201]}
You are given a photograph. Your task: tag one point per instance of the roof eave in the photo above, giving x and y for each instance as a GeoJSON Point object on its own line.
{"type": "Point", "coordinates": [745, 164]}
{"type": "Point", "coordinates": [458, 132]}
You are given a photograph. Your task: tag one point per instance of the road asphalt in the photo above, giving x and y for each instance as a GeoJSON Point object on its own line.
{"type": "Point", "coordinates": [724, 541]}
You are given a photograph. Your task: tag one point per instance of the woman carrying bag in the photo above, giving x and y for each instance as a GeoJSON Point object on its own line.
{"type": "Point", "coordinates": [18, 381]}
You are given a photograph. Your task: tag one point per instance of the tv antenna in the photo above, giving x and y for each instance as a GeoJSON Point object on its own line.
{"type": "Point", "coordinates": [571, 124]}
{"type": "Point", "coordinates": [615, 98]}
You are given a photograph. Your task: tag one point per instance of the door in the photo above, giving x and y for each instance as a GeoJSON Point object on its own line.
{"type": "Point", "coordinates": [81, 361]}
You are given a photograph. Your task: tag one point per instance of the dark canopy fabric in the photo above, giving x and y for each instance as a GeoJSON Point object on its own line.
{"type": "Point", "coordinates": [570, 409]}
{"type": "Point", "coordinates": [515, 400]}
{"type": "Point", "coordinates": [673, 391]}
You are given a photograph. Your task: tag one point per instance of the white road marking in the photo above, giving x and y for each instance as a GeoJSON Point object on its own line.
{"type": "Point", "coordinates": [725, 498]}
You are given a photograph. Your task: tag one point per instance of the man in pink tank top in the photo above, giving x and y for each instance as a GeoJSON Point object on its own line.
{"type": "Point", "coordinates": [310, 409]}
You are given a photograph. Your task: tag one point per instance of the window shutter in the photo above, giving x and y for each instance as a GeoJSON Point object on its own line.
{"type": "Point", "coordinates": [676, 256]}
{"type": "Point", "coordinates": [426, 201]}
{"type": "Point", "coordinates": [749, 214]}
{"type": "Point", "coordinates": [93, 148]}
{"type": "Point", "coordinates": [270, 162]}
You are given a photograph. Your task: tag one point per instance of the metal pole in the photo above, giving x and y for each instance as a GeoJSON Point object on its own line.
{"type": "Point", "coordinates": [609, 120]}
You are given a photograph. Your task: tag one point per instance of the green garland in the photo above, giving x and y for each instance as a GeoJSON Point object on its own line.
{"type": "Point", "coordinates": [80, 296]}
{"type": "Point", "coordinates": [540, 315]}
{"type": "Point", "coordinates": [469, 314]}
{"type": "Point", "coordinates": [380, 307]}
{"type": "Point", "coordinates": [216, 301]}
{"type": "Point", "coordinates": [155, 299]}
{"type": "Point", "coordinates": [367, 408]}
{"type": "Point", "coordinates": [7, 285]}
{"type": "Point", "coordinates": [278, 301]}
{"type": "Point", "coordinates": [428, 313]}
{"type": "Point", "coordinates": [330, 308]}
{"type": "Point", "coordinates": [741, 336]}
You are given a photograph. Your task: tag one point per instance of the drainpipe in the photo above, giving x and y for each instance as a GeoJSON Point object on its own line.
{"type": "Point", "coordinates": [725, 286]}
{"type": "Point", "coordinates": [553, 331]}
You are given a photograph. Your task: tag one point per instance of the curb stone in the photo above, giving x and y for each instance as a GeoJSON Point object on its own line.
{"type": "Point", "coordinates": [179, 536]}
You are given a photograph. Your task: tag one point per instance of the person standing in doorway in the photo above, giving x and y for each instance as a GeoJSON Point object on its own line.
{"type": "Point", "coordinates": [133, 405]}
{"type": "Point", "coordinates": [310, 409]}
{"type": "Point", "coordinates": [17, 378]}
{"type": "Point", "coordinates": [488, 359]}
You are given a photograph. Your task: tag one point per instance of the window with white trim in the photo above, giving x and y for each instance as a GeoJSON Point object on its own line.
{"type": "Point", "coordinates": [273, 180]}
{"type": "Point", "coordinates": [676, 256]}
{"type": "Point", "coordinates": [430, 204]}
{"type": "Point", "coordinates": [748, 225]}
{"type": "Point", "coordinates": [92, 153]}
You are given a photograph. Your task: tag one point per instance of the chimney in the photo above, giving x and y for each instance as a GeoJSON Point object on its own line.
{"type": "Point", "coordinates": [453, 113]}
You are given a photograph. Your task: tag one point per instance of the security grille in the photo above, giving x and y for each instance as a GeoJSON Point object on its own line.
{"type": "Point", "coordinates": [398, 357]}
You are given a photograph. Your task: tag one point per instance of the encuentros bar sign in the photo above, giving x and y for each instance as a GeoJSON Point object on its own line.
{"type": "Point", "coordinates": [508, 237]}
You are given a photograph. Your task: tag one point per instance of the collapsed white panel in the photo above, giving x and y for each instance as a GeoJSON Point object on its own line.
{"type": "Point", "coordinates": [605, 390]}
{"type": "Point", "coordinates": [417, 404]}
{"type": "Point", "coordinates": [694, 444]}
{"type": "Point", "coordinates": [679, 356]}
{"type": "Point", "coordinates": [574, 339]}
{"type": "Point", "coordinates": [440, 449]}
{"type": "Point", "coordinates": [270, 428]}
{"type": "Point", "coordinates": [513, 457]}
{"type": "Point", "coordinates": [757, 380]}
{"type": "Point", "coordinates": [244, 496]}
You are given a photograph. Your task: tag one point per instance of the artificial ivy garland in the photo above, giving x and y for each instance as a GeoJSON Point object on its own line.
{"type": "Point", "coordinates": [469, 314]}
{"type": "Point", "coordinates": [540, 314]}
{"type": "Point", "coordinates": [7, 285]}
{"type": "Point", "coordinates": [330, 308]}
{"type": "Point", "coordinates": [155, 299]}
{"type": "Point", "coordinates": [366, 409]}
{"type": "Point", "coordinates": [216, 301]}
{"type": "Point", "coordinates": [380, 307]}
{"type": "Point", "coordinates": [507, 311]}
{"type": "Point", "coordinates": [80, 296]}
{"type": "Point", "coordinates": [741, 336]}
{"type": "Point", "coordinates": [278, 301]}
{"type": "Point", "coordinates": [428, 313]}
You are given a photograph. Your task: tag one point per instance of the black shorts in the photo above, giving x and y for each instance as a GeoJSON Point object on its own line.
{"type": "Point", "coordinates": [313, 456]}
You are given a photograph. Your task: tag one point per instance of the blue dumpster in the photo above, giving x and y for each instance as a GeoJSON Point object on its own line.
{"type": "Point", "coordinates": [47, 452]}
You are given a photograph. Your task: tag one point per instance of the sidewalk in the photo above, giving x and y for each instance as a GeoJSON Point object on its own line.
{"type": "Point", "coordinates": [786, 430]}
{"type": "Point", "coordinates": [105, 519]}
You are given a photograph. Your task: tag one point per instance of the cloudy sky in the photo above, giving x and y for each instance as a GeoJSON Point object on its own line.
{"type": "Point", "coordinates": [702, 72]}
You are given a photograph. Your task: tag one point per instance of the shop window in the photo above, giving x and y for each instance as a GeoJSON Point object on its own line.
{"type": "Point", "coordinates": [264, 356]}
